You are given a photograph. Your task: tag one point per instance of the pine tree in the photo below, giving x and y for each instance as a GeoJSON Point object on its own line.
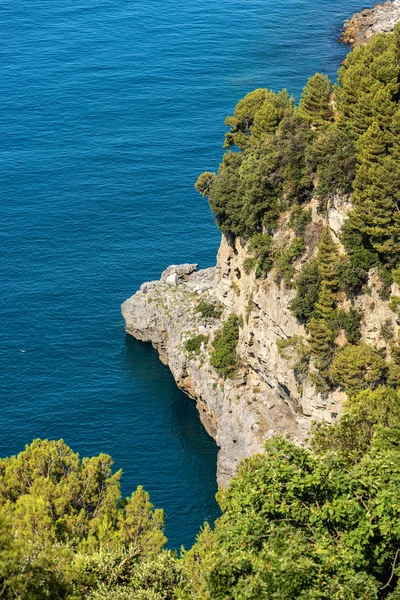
{"type": "Point", "coordinates": [368, 85]}
{"type": "Point", "coordinates": [267, 118]}
{"type": "Point", "coordinates": [376, 197]}
{"type": "Point", "coordinates": [321, 341]}
{"type": "Point", "coordinates": [327, 259]}
{"type": "Point", "coordinates": [326, 303]}
{"type": "Point", "coordinates": [243, 119]}
{"type": "Point", "coordinates": [315, 103]}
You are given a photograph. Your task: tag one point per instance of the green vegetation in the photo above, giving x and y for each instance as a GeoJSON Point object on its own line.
{"type": "Point", "coordinates": [209, 310]}
{"type": "Point", "coordinates": [296, 523]}
{"type": "Point", "coordinates": [65, 530]}
{"type": "Point", "coordinates": [394, 305]}
{"type": "Point", "coordinates": [296, 351]}
{"type": "Point", "coordinates": [341, 139]}
{"type": "Point", "coordinates": [350, 321]}
{"type": "Point", "coordinates": [302, 524]}
{"type": "Point", "coordinates": [193, 344]}
{"type": "Point", "coordinates": [224, 357]}
{"type": "Point", "coordinates": [358, 367]}
{"type": "Point", "coordinates": [307, 284]}
{"type": "Point", "coordinates": [315, 105]}
{"type": "Point", "coordinates": [283, 264]}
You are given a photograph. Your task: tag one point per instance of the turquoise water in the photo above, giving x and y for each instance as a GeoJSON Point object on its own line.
{"type": "Point", "coordinates": [109, 110]}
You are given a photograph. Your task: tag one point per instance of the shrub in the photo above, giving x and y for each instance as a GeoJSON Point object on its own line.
{"type": "Point", "coordinates": [307, 285]}
{"type": "Point", "coordinates": [352, 435]}
{"type": "Point", "coordinates": [350, 322]}
{"type": "Point", "coordinates": [295, 350]}
{"type": "Point", "coordinates": [394, 305]}
{"type": "Point", "coordinates": [284, 262]}
{"type": "Point", "coordinates": [259, 246]}
{"type": "Point", "coordinates": [209, 310]}
{"type": "Point", "coordinates": [387, 331]}
{"type": "Point", "coordinates": [249, 264]}
{"type": "Point", "coordinates": [353, 274]}
{"type": "Point", "coordinates": [385, 275]}
{"type": "Point", "coordinates": [193, 345]}
{"type": "Point", "coordinates": [396, 275]}
{"type": "Point", "coordinates": [299, 220]}
{"type": "Point", "coordinates": [357, 367]}
{"type": "Point", "coordinates": [332, 159]}
{"type": "Point", "coordinates": [224, 357]}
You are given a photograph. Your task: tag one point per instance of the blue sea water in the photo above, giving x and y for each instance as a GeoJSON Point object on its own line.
{"type": "Point", "coordinates": [108, 112]}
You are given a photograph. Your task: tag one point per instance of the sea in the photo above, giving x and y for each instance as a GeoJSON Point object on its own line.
{"type": "Point", "coordinates": [109, 110]}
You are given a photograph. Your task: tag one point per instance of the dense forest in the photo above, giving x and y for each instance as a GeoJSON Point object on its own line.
{"type": "Point", "coordinates": [321, 522]}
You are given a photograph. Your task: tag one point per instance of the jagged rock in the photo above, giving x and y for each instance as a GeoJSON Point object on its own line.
{"type": "Point", "coordinates": [363, 25]}
{"type": "Point", "coordinates": [177, 273]}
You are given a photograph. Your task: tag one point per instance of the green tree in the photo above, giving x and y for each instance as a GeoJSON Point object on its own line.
{"type": "Point", "coordinates": [256, 115]}
{"type": "Point", "coordinates": [325, 306]}
{"type": "Point", "coordinates": [243, 119]}
{"type": "Point", "coordinates": [225, 196]}
{"type": "Point", "coordinates": [376, 193]}
{"type": "Point", "coordinates": [296, 525]}
{"type": "Point", "coordinates": [307, 285]}
{"type": "Point", "coordinates": [351, 437]}
{"type": "Point", "coordinates": [205, 182]}
{"type": "Point", "coordinates": [315, 103]}
{"type": "Point", "coordinates": [327, 259]}
{"type": "Point", "coordinates": [357, 367]}
{"type": "Point", "coordinates": [321, 344]}
{"type": "Point", "coordinates": [331, 159]}
{"type": "Point", "coordinates": [368, 85]}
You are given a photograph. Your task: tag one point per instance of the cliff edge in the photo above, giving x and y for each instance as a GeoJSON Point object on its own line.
{"type": "Point", "coordinates": [269, 394]}
{"type": "Point", "coordinates": [382, 18]}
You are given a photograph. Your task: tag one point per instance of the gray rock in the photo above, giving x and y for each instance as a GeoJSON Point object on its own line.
{"type": "Point", "coordinates": [181, 271]}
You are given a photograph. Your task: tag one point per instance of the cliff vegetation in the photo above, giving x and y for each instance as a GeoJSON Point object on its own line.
{"type": "Point", "coordinates": [340, 139]}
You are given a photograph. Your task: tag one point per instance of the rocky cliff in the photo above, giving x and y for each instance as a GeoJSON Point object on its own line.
{"type": "Point", "coordinates": [363, 25]}
{"type": "Point", "coordinates": [270, 393]}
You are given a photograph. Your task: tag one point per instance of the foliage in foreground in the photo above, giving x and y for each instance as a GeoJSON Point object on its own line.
{"type": "Point", "coordinates": [302, 524]}
{"type": "Point", "coordinates": [296, 523]}
{"type": "Point", "coordinates": [65, 530]}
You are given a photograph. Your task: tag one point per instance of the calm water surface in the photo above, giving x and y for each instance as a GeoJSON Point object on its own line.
{"type": "Point", "coordinates": [109, 110]}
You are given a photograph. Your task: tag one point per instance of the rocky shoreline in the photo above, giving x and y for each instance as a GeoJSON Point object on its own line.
{"type": "Point", "coordinates": [382, 18]}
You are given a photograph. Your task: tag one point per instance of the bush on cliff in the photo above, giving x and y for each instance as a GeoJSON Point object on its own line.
{"type": "Point", "coordinates": [224, 357]}
{"type": "Point", "coordinates": [357, 367]}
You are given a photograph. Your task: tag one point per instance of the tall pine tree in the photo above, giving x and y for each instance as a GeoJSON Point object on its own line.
{"type": "Point", "coordinates": [315, 103]}
{"type": "Point", "coordinates": [369, 84]}
{"type": "Point", "coordinates": [327, 259]}
{"type": "Point", "coordinates": [376, 197]}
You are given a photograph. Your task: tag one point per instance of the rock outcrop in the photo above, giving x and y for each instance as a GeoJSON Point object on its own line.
{"type": "Point", "coordinates": [363, 25]}
{"type": "Point", "coordinates": [270, 394]}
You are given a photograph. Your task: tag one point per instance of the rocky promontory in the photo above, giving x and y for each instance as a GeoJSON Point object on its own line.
{"type": "Point", "coordinates": [269, 394]}
{"type": "Point", "coordinates": [382, 18]}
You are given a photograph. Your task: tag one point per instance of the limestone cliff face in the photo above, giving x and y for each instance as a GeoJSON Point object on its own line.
{"type": "Point", "coordinates": [269, 394]}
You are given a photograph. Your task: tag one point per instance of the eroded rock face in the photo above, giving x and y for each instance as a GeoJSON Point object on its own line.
{"type": "Point", "coordinates": [382, 18]}
{"type": "Point", "coordinates": [270, 394]}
